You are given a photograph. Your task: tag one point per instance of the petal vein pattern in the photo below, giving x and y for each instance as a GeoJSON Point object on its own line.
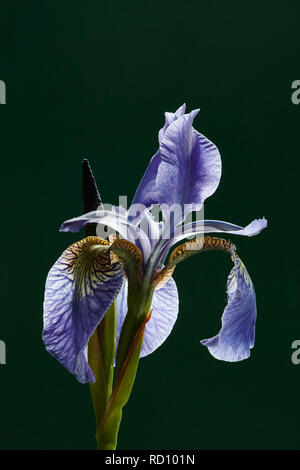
{"type": "Point", "coordinates": [80, 288]}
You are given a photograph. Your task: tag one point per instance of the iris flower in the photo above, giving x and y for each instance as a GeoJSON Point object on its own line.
{"type": "Point", "coordinates": [132, 270]}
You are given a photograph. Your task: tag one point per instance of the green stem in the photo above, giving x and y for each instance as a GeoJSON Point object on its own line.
{"type": "Point", "coordinates": [108, 345]}
{"type": "Point", "coordinates": [108, 430]}
{"type": "Point", "coordinates": [108, 401]}
{"type": "Point", "coordinates": [139, 303]}
{"type": "Point", "coordinates": [101, 354]}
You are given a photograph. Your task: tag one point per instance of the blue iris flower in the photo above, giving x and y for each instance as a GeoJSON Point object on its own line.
{"type": "Point", "coordinates": [94, 272]}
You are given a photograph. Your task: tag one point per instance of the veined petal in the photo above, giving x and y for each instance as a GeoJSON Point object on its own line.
{"type": "Point", "coordinates": [236, 337]}
{"type": "Point", "coordinates": [146, 193]}
{"type": "Point", "coordinates": [190, 168]}
{"type": "Point", "coordinates": [185, 170]}
{"type": "Point", "coordinates": [80, 288]}
{"type": "Point", "coordinates": [169, 118]}
{"type": "Point", "coordinates": [129, 256]}
{"type": "Point", "coordinates": [191, 248]}
{"type": "Point", "coordinates": [164, 307]}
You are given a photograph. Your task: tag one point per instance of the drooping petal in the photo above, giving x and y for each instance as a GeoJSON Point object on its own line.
{"type": "Point", "coordinates": [80, 288]}
{"type": "Point", "coordinates": [236, 337]}
{"type": "Point", "coordinates": [164, 307]}
{"type": "Point", "coordinates": [188, 249]}
{"type": "Point", "coordinates": [190, 168]}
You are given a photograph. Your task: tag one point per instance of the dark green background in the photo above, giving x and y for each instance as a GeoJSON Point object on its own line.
{"type": "Point", "coordinates": [92, 79]}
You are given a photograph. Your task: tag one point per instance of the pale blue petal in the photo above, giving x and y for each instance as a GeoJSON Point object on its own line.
{"type": "Point", "coordinates": [165, 305]}
{"type": "Point", "coordinates": [80, 288]}
{"type": "Point", "coordinates": [236, 337]}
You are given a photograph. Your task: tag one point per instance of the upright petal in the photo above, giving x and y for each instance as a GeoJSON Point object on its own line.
{"type": "Point", "coordinates": [169, 118]}
{"type": "Point", "coordinates": [236, 337]}
{"type": "Point", "coordinates": [80, 288]}
{"type": "Point", "coordinates": [146, 191]}
{"type": "Point", "coordinates": [190, 169]}
{"type": "Point", "coordinates": [152, 228]}
{"type": "Point", "coordinates": [164, 307]}
{"type": "Point", "coordinates": [185, 170]}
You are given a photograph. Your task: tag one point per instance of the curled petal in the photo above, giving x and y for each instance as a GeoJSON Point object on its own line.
{"type": "Point", "coordinates": [191, 248]}
{"type": "Point", "coordinates": [130, 257]}
{"type": "Point", "coordinates": [211, 226]}
{"type": "Point", "coordinates": [80, 288]}
{"type": "Point", "coordinates": [164, 308]}
{"type": "Point", "coordinates": [236, 337]}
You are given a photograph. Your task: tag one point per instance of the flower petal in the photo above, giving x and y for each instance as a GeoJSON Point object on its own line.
{"type": "Point", "coordinates": [80, 288]}
{"type": "Point", "coordinates": [152, 228]}
{"type": "Point", "coordinates": [112, 219]}
{"type": "Point", "coordinates": [169, 118]}
{"type": "Point", "coordinates": [164, 307]}
{"type": "Point", "coordinates": [185, 170]}
{"type": "Point", "coordinates": [115, 219]}
{"type": "Point", "coordinates": [129, 256]}
{"type": "Point", "coordinates": [146, 192]}
{"type": "Point", "coordinates": [211, 226]}
{"type": "Point", "coordinates": [190, 168]}
{"type": "Point", "coordinates": [218, 226]}
{"type": "Point", "coordinates": [236, 337]}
